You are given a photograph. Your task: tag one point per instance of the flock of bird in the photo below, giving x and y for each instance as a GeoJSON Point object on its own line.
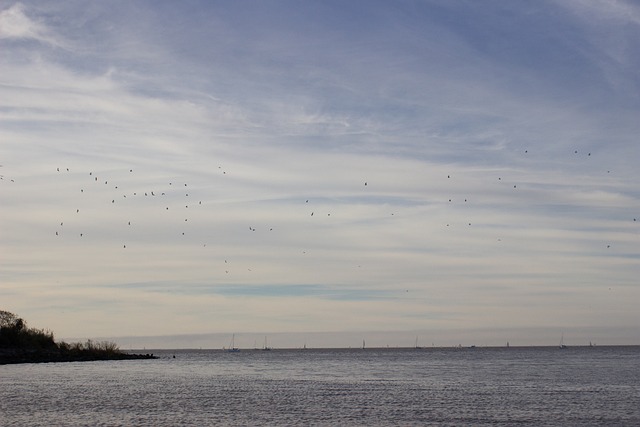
{"type": "Point", "coordinates": [171, 196]}
{"type": "Point", "coordinates": [122, 195]}
{"type": "Point", "coordinates": [166, 197]}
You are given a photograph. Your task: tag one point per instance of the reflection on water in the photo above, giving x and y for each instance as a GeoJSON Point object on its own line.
{"type": "Point", "coordinates": [480, 386]}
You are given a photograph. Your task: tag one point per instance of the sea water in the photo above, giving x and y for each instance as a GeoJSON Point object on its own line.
{"type": "Point", "coordinates": [576, 386]}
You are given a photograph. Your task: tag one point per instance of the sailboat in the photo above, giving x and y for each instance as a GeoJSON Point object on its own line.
{"type": "Point", "coordinates": [416, 346]}
{"type": "Point", "coordinates": [562, 345]}
{"type": "Point", "coordinates": [232, 346]}
{"type": "Point", "coordinates": [265, 347]}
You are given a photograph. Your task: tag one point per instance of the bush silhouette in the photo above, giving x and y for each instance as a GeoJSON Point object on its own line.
{"type": "Point", "coordinates": [19, 343]}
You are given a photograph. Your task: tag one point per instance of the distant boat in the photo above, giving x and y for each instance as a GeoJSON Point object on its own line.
{"type": "Point", "coordinates": [416, 346]}
{"type": "Point", "coordinates": [363, 344]}
{"type": "Point", "coordinates": [232, 346]}
{"type": "Point", "coordinates": [562, 345]}
{"type": "Point", "coordinates": [265, 347]}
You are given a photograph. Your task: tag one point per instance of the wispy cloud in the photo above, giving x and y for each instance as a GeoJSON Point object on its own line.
{"type": "Point", "coordinates": [292, 167]}
{"type": "Point", "coordinates": [17, 26]}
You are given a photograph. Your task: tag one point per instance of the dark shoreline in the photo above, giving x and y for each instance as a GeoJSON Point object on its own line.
{"type": "Point", "coordinates": [17, 355]}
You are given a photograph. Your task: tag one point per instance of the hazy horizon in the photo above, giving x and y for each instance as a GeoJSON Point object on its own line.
{"type": "Point", "coordinates": [574, 337]}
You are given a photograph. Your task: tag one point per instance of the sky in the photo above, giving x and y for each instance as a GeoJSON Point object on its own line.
{"type": "Point", "coordinates": [458, 171]}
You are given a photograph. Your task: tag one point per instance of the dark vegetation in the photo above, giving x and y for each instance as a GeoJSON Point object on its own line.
{"type": "Point", "coordinates": [21, 344]}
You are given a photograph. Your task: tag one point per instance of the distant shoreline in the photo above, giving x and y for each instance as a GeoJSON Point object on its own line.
{"type": "Point", "coordinates": [164, 351]}
{"type": "Point", "coordinates": [11, 356]}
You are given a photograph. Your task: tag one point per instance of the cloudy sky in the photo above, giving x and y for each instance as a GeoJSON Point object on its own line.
{"type": "Point", "coordinates": [432, 168]}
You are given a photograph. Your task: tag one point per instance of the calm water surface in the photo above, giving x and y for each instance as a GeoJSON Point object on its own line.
{"type": "Point", "coordinates": [598, 386]}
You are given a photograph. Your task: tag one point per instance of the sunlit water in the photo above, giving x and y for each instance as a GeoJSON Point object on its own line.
{"type": "Point", "coordinates": [468, 387]}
